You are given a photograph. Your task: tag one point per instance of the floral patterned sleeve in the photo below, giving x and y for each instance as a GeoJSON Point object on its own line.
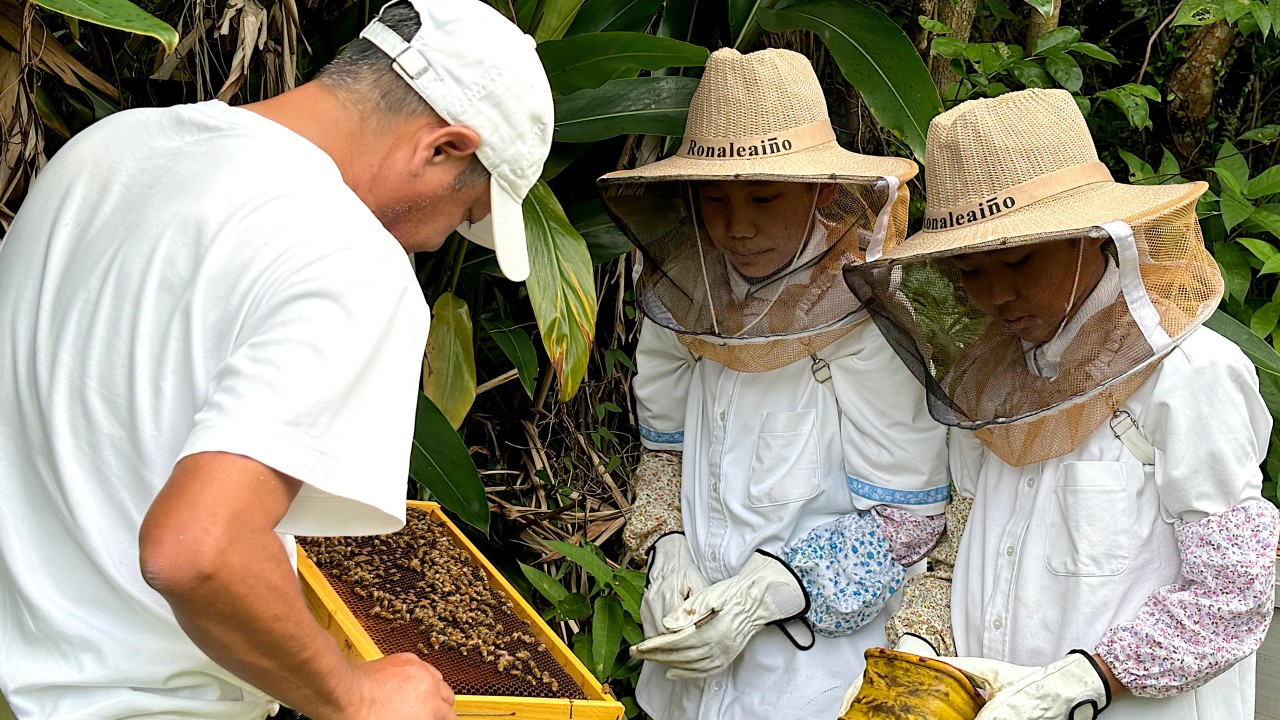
{"type": "Point", "coordinates": [1187, 634]}
{"type": "Point", "coordinates": [656, 508]}
{"type": "Point", "coordinates": [926, 598]}
{"type": "Point", "coordinates": [910, 536]}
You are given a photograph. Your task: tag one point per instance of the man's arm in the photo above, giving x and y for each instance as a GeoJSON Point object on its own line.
{"type": "Point", "coordinates": [208, 545]}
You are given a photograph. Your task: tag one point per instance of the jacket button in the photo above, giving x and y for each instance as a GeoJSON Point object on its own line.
{"type": "Point", "coordinates": [1009, 551]}
{"type": "Point", "coordinates": [721, 416]}
{"type": "Point", "coordinates": [997, 624]}
{"type": "Point", "coordinates": [712, 556]}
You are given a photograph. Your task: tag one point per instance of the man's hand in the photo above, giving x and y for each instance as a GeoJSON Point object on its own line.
{"type": "Point", "coordinates": [1073, 688]}
{"type": "Point", "coordinates": [673, 578]}
{"type": "Point", "coordinates": [402, 686]}
{"type": "Point", "coordinates": [707, 631]}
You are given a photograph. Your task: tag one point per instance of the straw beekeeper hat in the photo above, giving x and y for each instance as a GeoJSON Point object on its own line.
{"type": "Point", "coordinates": [1022, 164]}
{"type": "Point", "coordinates": [762, 114]}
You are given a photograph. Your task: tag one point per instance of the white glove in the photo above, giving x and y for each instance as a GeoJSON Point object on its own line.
{"type": "Point", "coordinates": [673, 578]}
{"type": "Point", "coordinates": [1073, 688]}
{"type": "Point", "coordinates": [706, 632]}
{"type": "Point", "coordinates": [908, 643]}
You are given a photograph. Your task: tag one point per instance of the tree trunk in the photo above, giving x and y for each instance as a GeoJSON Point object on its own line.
{"type": "Point", "coordinates": [1190, 88]}
{"type": "Point", "coordinates": [1039, 25]}
{"type": "Point", "coordinates": [957, 15]}
{"type": "Point", "coordinates": [919, 36]}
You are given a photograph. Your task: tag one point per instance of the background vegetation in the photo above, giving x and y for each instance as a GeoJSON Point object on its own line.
{"type": "Point", "coordinates": [525, 430]}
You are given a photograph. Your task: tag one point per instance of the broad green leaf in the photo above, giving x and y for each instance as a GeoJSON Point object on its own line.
{"type": "Point", "coordinates": [1145, 91]}
{"type": "Point", "coordinates": [1267, 217]}
{"type": "Point", "coordinates": [1065, 70]}
{"type": "Point", "coordinates": [118, 14]}
{"type": "Point", "coordinates": [1199, 12]}
{"type": "Point", "coordinates": [606, 635]}
{"type": "Point", "coordinates": [1232, 161]}
{"type": "Point", "coordinates": [604, 239]}
{"type": "Point", "coordinates": [1262, 15]}
{"type": "Point", "coordinates": [613, 16]}
{"type": "Point", "coordinates": [1133, 106]}
{"type": "Point", "coordinates": [1266, 183]}
{"type": "Point", "coordinates": [1139, 170]}
{"type": "Point", "coordinates": [1234, 263]}
{"type": "Point", "coordinates": [588, 61]}
{"type": "Point", "coordinates": [630, 585]}
{"type": "Point", "coordinates": [1044, 7]}
{"type": "Point", "coordinates": [875, 56]}
{"type": "Point", "coordinates": [648, 106]}
{"type": "Point", "coordinates": [1094, 51]}
{"type": "Point", "coordinates": [1261, 249]}
{"type": "Point", "coordinates": [439, 462]}
{"type": "Point", "coordinates": [518, 348]}
{"type": "Point", "coordinates": [947, 47]}
{"type": "Point", "coordinates": [555, 18]}
{"type": "Point", "coordinates": [743, 25]}
{"type": "Point", "coordinates": [685, 20]}
{"type": "Point", "coordinates": [633, 633]}
{"type": "Point", "coordinates": [562, 156]}
{"type": "Point", "coordinates": [561, 286]}
{"type": "Point", "coordinates": [1235, 209]}
{"type": "Point", "coordinates": [1264, 319]}
{"type": "Point", "coordinates": [932, 25]}
{"type": "Point", "coordinates": [1233, 10]}
{"type": "Point", "coordinates": [1266, 134]}
{"type": "Point", "coordinates": [574, 606]}
{"type": "Point", "coordinates": [1270, 266]}
{"type": "Point", "coordinates": [449, 370]}
{"type": "Point", "coordinates": [1056, 39]}
{"type": "Point", "coordinates": [1030, 74]}
{"type": "Point", "coordinates": [1264, 357]}
{"type": "Point", "coordinates": [1169, 172]}
{"type": "Point", "coordinates": [585, 559]}
{"type": "Point", "coordinates": [549, 587]}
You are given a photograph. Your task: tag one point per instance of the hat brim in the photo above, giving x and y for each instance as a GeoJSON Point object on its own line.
{"type": "Point", "coordinates": [502, 231]}
{"type": "Point", "coordinates": [828, 161]}
{"type": "Point", "coordinates": [1084, 207]}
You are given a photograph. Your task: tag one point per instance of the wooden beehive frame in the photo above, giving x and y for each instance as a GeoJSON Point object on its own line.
{"type": "Point", "coordinates": [356, 645]}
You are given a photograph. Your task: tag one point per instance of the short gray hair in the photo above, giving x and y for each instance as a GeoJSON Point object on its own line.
{"type": "Point", "coordinates": [362, 72]}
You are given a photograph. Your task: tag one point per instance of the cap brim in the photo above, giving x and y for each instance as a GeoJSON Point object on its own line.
{"type": "Point", "coordinates": [502, 232]}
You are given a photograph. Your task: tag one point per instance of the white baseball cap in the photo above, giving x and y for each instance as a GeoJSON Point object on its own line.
{"type": "Point", "coordinates": [475, 68]}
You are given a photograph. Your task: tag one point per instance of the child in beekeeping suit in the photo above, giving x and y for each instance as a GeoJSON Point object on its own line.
{"type": "Point", "coordinates": [1118, 556]}
{"type": "Point", "coordinates": [783, 437]}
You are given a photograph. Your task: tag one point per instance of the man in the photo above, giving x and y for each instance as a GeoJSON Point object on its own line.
{"type": "Point", "coordinates": [214, 336]}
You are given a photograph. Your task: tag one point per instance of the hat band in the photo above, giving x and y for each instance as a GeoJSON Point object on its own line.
{"type": "Point", "coordinates": [1009, 199]}
{"type": "Point", "coordinates": [779, 143]}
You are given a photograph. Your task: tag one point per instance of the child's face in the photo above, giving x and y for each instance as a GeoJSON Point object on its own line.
{"type": "Point", "coordinates": [1028, 288]}
{"type": "Point", "coordinates": [760, 225]}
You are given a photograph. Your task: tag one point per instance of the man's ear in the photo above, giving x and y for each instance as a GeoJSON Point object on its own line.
{"type": "Point", "coordinates": [437, 145]}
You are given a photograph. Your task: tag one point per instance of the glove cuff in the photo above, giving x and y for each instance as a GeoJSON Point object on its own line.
{"type": "Point", "coordinates": [653, 551]}
{"type": "Point", "coordinates": [1089, 708]}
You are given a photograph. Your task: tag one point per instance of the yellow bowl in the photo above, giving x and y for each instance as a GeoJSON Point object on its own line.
{"type": "Point", "coordinates": [904, 686]}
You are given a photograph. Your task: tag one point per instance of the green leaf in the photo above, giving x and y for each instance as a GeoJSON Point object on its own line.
{"type": "Point", "coordinates": [561, 286]}
{"type": "Point", "coordinates": [604, 239]}
{"type": "Point", "coordinates": [1056, 39]}
{"type": "Point", "coordinates": [588, 61]}
{"type": "Point", "coordinates": [1264, 357]}
{"type": "Point", "coordinates": [1262, 15]}
{"type": "Point", "coordinates": [1234, 263]}
{"type": "Point", "coordinates": [1169, 172]}
{"type": "Point", "coordinates": [875, 56]}
{"type": "Point", "coordinates": [1261, 249]}
{"type": "Point", "coordinates": [555, 18]}
{"type": "Point", "coordinates": [1044, 7]}
{"type": "Point", "coordinates": [1270, 266]}
{"type": "Point", "coordinates": [585, 559]}
{"type": "Point", "coordinates": [1233, 10]}
{"type": "Point", "coordinates": [1199, 12]}
{"type": "Point", "coordinates": [686, 20]}
{"type": "Point", "coordinates": [1266, 183]}
{"type": "Point", "coordinates": [573, 607]}
{"type": "Point", "coordinates": [1264, 319]}
{"type": "Point", "coordinates": [118, 14]}
{"type": "Point", "coordinates": [647, 106]}
{"type": "Point", "coordinates": [1095, 52]}
{"type": "Point", "coordinates": [549, 587]}
{"type": "Point", "coordinates": [1267, 217]}
{"type": "Point", "coordinates": [562, 156]}
{"type": "Point", "coordinates": [1133, 106]}
{"type": "Point", "coordinates": [614, 16]}
{"type": "Point", "coordinates": [606, 635]}
{"type": "Point", "coordinates": [1065, 70]}
{"type": "Point", "coordinates": [1145, 91]}
{"type": "Point", "coordinates": [1030, 74]}
{"type": "Point", "coordinates": [630, 585]}
{"type": "Point", "coordinates": [933, 26]}
{"type": "Point", "coordinates": [449, 370]}
{"type": "Point", "coordinates": [1139, 170]}
{"type": "Point", "coordinates": [518, 348]}
{"type": "Point", "coordinates": [947, 47]}
{"type": "Point", "coordinates": [439, 462]}
{"type": "Point", "coordinates": [743, 23]}
{"type": "Point", "coordinates": [1235, 209]}
{"type": "Point", "coordinates": [1266, 134]}
{"type": "Point", "coordinates": [1232, 162]}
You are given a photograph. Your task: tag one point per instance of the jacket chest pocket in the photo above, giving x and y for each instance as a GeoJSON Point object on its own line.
{"type": "Point", "coordinates": [1090, 521]}
{"type": "Point", "coordinates": [785, 466]}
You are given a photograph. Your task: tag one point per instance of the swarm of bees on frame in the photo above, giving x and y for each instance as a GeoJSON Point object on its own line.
{"type": "Point", "coordinates": [420, 576]}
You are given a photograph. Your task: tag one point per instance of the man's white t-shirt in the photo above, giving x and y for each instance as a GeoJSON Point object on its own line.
{"type": "Point", "coordinates": [181, 280]}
